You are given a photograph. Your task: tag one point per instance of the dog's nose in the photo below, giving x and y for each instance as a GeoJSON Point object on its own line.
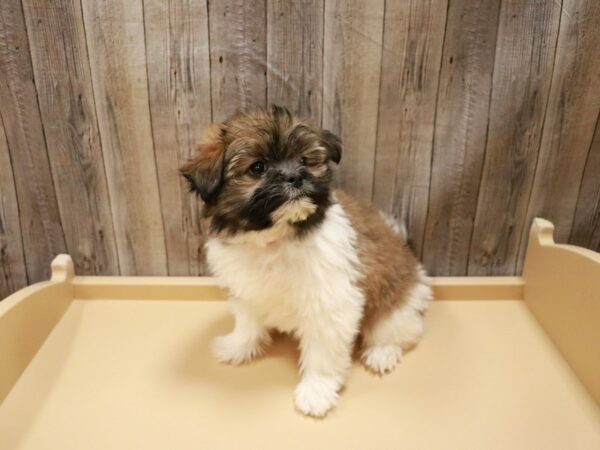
{"type": "Point", "coordinates": [294, 180]}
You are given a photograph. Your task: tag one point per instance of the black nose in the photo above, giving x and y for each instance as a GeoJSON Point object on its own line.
{"type": "Point", "coordinates": [294, 180]}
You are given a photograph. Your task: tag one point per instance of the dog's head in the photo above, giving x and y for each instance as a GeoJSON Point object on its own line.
{"type": "Point", "coordinates": [264, 167]}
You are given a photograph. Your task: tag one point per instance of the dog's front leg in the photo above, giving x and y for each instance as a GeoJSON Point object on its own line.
{"type": "Point", "coordinates": [326, 348]}
{"type": "Point", "coordinates": [248, 339]}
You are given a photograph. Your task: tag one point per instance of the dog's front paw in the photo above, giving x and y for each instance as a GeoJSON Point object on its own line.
{"type": "Point", "coordinates": [237, 349]}
{"type": "Point", "coordinates": [316, 395]}
{"type": "Point", "coordinates": [381, 359]}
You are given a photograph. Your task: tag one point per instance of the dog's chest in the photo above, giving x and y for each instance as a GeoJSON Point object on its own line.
{"type": "Point", "coordinates": [286, 281]}
{"type": "Point", "coordinates": [278, 280]}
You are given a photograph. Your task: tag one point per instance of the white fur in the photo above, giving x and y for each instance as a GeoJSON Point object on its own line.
{"type": "Point", "coordinates": [305, 287]}
{"type": "Point", "coordinates": [308, 288]}
{"type": "Point", "coordinates": [382, 358]}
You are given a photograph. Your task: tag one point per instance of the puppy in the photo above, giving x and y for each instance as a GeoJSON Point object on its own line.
{"type": "Point", "coordinates": [300, 258]}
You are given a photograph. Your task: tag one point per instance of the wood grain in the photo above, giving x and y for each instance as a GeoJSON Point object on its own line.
{"type": "Point", "coordinates": [237, 55]}
{"type": "Point", "coordinates": [177, 55]}
{"type": "Point", "coordinates": [525, 52]}
{"type": "Point", "coordinates": [295, 56]}
{"type": "Point", "coordinates": [464, 119]}
{"type": "Point", "coordinates": [115, 37]}
{"type": "Point", "coordinates": [460, 133]}
{"type": "Point", "coordinates": [586, 224]}
{"type": "Point", "coordinates": [64, 87]}
{"type": "Point", "coordinates": [570, 120]}
{"type": "Point", "coordinates": [13, 273]}
{"type": "Point", "coordinates": [40, 221]}
{"type": "Point", "coordinates": [413, 36]}
{"type": "Point", "coordinates": [352, 68]}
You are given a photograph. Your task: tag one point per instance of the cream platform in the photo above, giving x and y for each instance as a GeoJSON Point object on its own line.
{"type": "Point", "coordinates": [124, 363]}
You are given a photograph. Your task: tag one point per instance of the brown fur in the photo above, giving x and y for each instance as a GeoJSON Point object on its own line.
{"type": "Point", "coordinates": [390, 270]}
{"type": "Point", "coordinates": [204, 172]}
{"type": "Point", "coordinates": [219, 172]}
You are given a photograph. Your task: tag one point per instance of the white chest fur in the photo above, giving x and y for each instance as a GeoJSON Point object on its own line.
{"type": "Point", "coordinates": [287, 282]}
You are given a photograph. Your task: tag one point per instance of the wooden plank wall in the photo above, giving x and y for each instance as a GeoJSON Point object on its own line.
{"type": "Point", "coordinates": [463, 118]}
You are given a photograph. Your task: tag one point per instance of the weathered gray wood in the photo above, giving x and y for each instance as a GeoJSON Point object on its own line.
{"type": "Point", "coordinates": [13, 273]}
{"type": "Point", "coordinates": [237, 55]}
{"type": "Point", "coordinates": [295, 56]}
{"type": "Point", "coordinates": [463, 134]}
{"type": "Point", "coordinates": [177, 55]}
{"type": "Point", "coordinates": [412, 47]}
{"type": "Point", "coordinates": [115, 37]}
{"type": "Point", "coordinates": [64, 87]}
{"type": "Point", "coordinates": [522, 73]}
{"type": "Point", "coordinates": [352, 67]}
{"type": "Point", "coordinates": [40, 221]}
{"type": "Point", "coordinates": [460, 133]}
{"type": "Point", "coordinates": [586, 224]}
{"type": "Point", "coordinates": [570, 120]}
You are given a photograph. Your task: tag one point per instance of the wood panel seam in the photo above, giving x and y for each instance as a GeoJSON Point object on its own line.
{"type": "Point", "coordinates": [151, 120]}
{"type": "Point", "coordinates": [93, 100]}
{"type": "Point", "coordinates": [324, 18]}
{"type": "Point", "coordinates": [487, 134]}
{"type": "Point", "coordinates": [378, 108]}
{"type": "Point", "coordinates": [17, 205]}
{"type": "Point", "coordinates": [587, 160]}
{"type": "Point", "coordinates": [210, 75]}
{"type": "Point", "coordinates": [266, 68]}
{"type": "Point", "coordinates": [435, 116]}
{"type": "Point", "coordinates": [525, 225]}
{"type": "Point", "coordinates": [37, 99]}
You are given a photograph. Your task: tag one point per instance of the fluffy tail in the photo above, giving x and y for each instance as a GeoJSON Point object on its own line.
{"type": "Point", "coordinates": [397, 226]}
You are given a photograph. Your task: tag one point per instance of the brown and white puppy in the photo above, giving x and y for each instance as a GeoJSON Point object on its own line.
{"type": "Point", "coordinates": [300, 258]}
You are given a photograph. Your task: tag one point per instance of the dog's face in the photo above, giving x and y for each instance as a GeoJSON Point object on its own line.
{"type": "Point", "coordinates": [260, 168]}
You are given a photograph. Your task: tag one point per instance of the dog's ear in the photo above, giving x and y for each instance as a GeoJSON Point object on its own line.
{"type": "Point", "coordinates": [204, 173]}
{"type": "Point", "coordinates": [333, 145]}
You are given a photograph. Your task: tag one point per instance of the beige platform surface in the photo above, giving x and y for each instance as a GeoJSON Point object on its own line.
{"type": "Point", "coordinates": [133, 374]}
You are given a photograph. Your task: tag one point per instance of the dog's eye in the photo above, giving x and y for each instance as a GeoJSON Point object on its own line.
{"type": "Point", "coordinates": [303, 161]}
{"type": "Point", "coordinates": [258, 168]}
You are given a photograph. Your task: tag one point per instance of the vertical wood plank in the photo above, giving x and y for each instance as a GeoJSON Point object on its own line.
{"type": "Point", "coordinates": [177, 54]}
{"type": "Point", "coordinates": [237, 55]}
{"type": "Point", "coordinates": [460, 133]}
{"type": "Point", "coordinates": [413, 36]}
{"type": "Point", "coordinates": [115, 37]}
{"type": "Point", "coordinates": [295, 55]}
{"type": "Point", "coordinates": [64, 87]}
{"type": "Point", "coordinates": [523, 70]}
{"type": "Point", "coordinates": [13, 275]}
{"type": "Point", "coordinates": [352, 68]}
{"type": "Point", "coordinates": [586, 224]}
{"type": "Point", "coordinates": [40, 225]}
{"type": "Point", "coordinates": [570, 120]}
